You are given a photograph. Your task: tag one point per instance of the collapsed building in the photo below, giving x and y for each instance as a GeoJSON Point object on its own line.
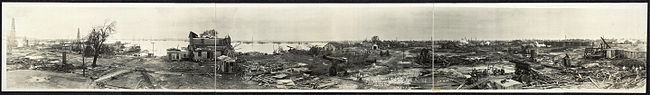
{"type": "Point", "coordinates": [538, 64]}
{"type": "Point", "coordinates": [205, 49]}
{"type": "Point", "coordinates": [208, 48]}
{"type": "Point", "coordinates": [606, 51]}
{"type": "Point", "coordinates": [202, 49]}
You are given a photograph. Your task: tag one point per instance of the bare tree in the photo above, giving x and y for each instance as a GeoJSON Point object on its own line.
{"type": "Point", "coordinates": [375, 39]}
{"type": "Point", "coordinates": [209, 33]}
{"type": "Point", "coordinates": [97, 37]}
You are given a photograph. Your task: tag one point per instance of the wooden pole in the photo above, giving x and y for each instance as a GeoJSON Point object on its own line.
{"type": "Point", "coordinates": [64, 61]}
{"type": "Point", "coordinates": [83, 60]}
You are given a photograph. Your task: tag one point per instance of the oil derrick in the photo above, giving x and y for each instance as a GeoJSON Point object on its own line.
{"type": "Point", "coordinates": [78, 44]}
{"type": "Point", "coordinates": [12, 36]}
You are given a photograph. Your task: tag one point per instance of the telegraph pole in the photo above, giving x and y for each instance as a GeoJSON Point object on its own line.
{"type": "Point", "coordinates": [215, 53]}
{"type": "Point", "coordinates": [83, 60]}
{"type": "Point", "coordinates": [153, 48]}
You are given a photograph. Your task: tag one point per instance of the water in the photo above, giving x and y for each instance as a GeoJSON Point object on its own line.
{"type": "Point", "coordinates": [159, 48]}
{"type": "Point", "coordinates": [269, 48]}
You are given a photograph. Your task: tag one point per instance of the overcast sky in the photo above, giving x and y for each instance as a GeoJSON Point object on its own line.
{"type": "Point", "coordinates": [539, 21]}
{"type": "Point", "coordinates": [304, 22]}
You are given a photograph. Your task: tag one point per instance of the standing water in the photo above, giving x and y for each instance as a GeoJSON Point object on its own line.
{"type": "Point", "coordinates": [159, 48]}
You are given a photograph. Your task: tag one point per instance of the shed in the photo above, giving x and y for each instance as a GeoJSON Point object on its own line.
{"type": "Point", "coordinates": [174, 54]}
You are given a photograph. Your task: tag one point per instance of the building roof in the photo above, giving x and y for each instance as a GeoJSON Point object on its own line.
{"type": "Point", "coordinates": [173, 49]}
{"type": "Point", "coordinates": [208, 41]}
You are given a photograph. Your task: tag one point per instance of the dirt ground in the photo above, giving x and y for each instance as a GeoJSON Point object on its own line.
{"type": "Point", "coordinates": [141, 72]}
{"type": "Point", "coordinates": [158, 74]}
{"type": "Point", "coordinates": [34, 79]}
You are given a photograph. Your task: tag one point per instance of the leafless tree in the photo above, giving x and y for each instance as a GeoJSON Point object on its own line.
{"type": "Point", "coordinates": [209, 33]}
{"type": "Point", "coordinates": [375, 39]}
{"type": "Point", "coordinates": [97, 37]}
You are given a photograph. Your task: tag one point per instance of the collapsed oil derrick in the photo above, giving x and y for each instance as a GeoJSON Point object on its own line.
{"type": "Point", "coordinates": [524, 73]}
{"type": "Point", "coordinates": [603, 51]}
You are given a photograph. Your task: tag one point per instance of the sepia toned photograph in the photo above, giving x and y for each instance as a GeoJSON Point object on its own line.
{"type": "Point", "coordinates": [541, 47]}
{"type": "Point", "coordinates": [185, 47]}
{"type": "Point", "coordinates": [226, 47]}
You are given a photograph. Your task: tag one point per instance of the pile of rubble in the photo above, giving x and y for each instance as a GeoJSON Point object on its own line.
{"type": "Point", "coordinates": [37, 62]}
{"type": "Point", "coordinates": [287, 71]}
{"type": "Point", "coordinates": [283, 75]}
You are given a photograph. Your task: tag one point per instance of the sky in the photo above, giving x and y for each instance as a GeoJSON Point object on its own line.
{"type": "Point", "coordinates": [242, 22]}
{"type": "Point", "coordinates": [540, 21]}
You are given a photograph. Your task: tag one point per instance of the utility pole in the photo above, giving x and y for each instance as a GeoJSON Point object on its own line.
{"type": "Point", "coordinates": [215, 46]}
{"type": "Point", "coordinates": [153, 48]}
{"type": "Point", "coordinates": [83, 60]}
{"type": "Point", "coordinates": [215, 53]}
{"type": "Point", "coordinates": [83, 53]}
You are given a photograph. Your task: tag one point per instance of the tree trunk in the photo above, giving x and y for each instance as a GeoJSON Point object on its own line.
{"type": "Point", "coordinates": [95, 61]}
{"type": "Point", "coordinates": [96, 55]}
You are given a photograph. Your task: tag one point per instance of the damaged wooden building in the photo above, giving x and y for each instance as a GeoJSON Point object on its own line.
{"type": "Point", "coordinates": [202, 49]}
{"type": "Point", "coordinates": [208, 48]}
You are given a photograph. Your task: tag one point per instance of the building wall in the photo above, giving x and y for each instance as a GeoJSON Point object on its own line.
{"type": "Point", "coordinates": [174, 56]}
{"type": "Point", "coordinates": [208, 48]}
{"type": "Point", "coordinates": [629, 54]}
{"type": "Point", "coordinates": [200, 55]}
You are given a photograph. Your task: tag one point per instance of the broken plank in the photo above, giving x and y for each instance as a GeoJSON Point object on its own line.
{"type": "Point", "coordinates": [108, 76]}
{"type": "Point", "coordinates": [592, 81]}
